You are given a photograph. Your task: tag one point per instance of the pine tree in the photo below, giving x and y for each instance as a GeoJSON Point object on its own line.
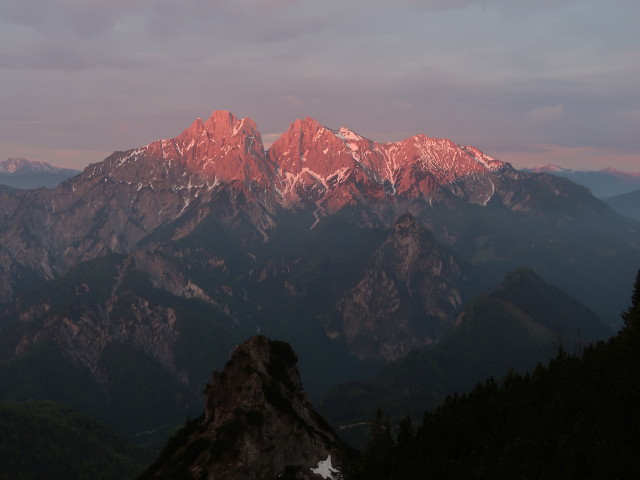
{"type": "Point", "coordinates": [376, 460]}
{"type": "Point", "coordinates": [631, 316]}
{"type": "Point", "coordinates": [406, 431]}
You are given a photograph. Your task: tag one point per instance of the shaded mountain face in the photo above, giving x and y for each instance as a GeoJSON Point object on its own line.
{"type": "Point", "coordinates": [104, 340]}
{"type": "Point", "coordinates": [50, 440]}
{"type": "Point", "coordinates": [522, 322]}
{"type": "Point", "coordinates": [28, 174]}
{"type": "Point", "coordinates": [532, 426]}
{"type": "Point", "coordinates": [258, 424]}
{"type": "Point", "coordinates": [408, 297]}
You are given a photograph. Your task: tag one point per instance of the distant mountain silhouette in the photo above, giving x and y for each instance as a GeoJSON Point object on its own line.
{"type": "Point", "coordinates": [603, 183]}
{"type": "Point", "coordinates": [27, 174]}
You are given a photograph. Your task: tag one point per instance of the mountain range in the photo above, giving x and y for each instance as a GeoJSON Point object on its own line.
{"type": "Point", "coordinates": [27, 174]}
{"type": "Point", "coordinates": [604, 183]}
{"type": "Point", "coordinates": [125, 285]}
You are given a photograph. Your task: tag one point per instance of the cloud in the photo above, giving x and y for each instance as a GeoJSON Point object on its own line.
{"type": "Point", "coordinates": [445, 4]}
{"type": "Point", "coordinates": [402, 104]}
{"type": "Point", "coordinates": [546, 114]}
{"type": "Point", "coordinates": [269, 138]}
{"type": "Point", "coordinates": [505, 5]}
{"type": "Point", "coordinates": [495, 73]}
{"type": "Point", "coordinates": [293, 100]}
{"type": "Point", "coordinates": [66, 57]}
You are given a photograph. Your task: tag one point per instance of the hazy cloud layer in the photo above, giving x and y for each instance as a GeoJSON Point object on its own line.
{"type": "Point", "coordinates": [81, 78]}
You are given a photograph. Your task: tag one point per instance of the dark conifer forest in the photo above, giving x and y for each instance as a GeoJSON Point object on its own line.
{"type": "Point", "coordinates": [576, 418]}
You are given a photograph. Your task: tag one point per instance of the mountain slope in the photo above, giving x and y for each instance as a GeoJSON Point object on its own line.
{"type": "Point", "coordinates": [258, 423]}
{"type": "Point", "coordinates": [48, 440]}
{"type": "Point", "coordinates": [575, 418]}
{"type": "Point", "coordinates": [408, 297]}
{"type": "Point", "coordinates": [107, 342]}
{"type": "Point", "coordinates": [520, 323]}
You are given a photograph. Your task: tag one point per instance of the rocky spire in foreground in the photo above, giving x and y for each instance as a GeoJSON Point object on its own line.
{"type": "Point", "coordinates": [258, 424]}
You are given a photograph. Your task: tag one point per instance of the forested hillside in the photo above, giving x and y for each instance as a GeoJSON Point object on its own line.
{"type": "Point", "coordinates": [48, 440]}
{"type": "Point", "coordinates": [575, 418]}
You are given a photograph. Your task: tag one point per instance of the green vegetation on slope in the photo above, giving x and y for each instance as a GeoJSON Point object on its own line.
{"type": "Point", "coordinates": [576, 418]}
{"type": "Point", "coordinates": [49, 440]}
{"type": "Point", "coordinates": [127, 388]}
{"type": "Point", "coordinates": [522, 322]}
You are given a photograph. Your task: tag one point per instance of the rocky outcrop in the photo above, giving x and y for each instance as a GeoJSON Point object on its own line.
{"type": "Point", "coordinates": [258, 424]}
{"type": "Point", "coordinates": [408, 298]}
{"type": "Point", "coordinates": [95, 307]}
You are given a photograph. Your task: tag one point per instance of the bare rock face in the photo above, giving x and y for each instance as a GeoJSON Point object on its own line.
{"type": "Point", "coordinates": [334, 169]}
{"type": "Point", "coordinates": [407, 298]}
{"type": "Point", "coordinates": [258, 424]}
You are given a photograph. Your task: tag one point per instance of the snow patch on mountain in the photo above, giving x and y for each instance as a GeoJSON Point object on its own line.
{"type": "Point", "coordinates": [347, 135]}
{"type": "Point", "coordinates": [326, 470]}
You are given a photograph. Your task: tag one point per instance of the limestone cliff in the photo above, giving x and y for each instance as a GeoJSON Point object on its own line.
{"type": "Point", "coordinates": [258, 424]}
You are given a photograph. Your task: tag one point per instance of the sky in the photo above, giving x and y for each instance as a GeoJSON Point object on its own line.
{"type": "Point", "coordinates": [529, 82]}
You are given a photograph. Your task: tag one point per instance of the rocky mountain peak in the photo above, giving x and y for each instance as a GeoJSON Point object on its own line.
{"type": "Point", "coordinates": [11, 165]}
{"type": "Point", "coordinates": [347, 134]}
{"type": "Point", "coordinates": [258, 422]}
{"type": "Point", "coordinates": [195, 129]}
{"type": "Point", "coordinates": [311, 159]}
{"type": "Point", "coordinates": [306, 124]}
{"type": "Point", "coordinates": [302, 143]}
{"type": "Point", "coordinates": [224, 124]}
{"type": "Point", "coordinates": [410, 272]}
{"type": "Point", "coordinates": [406, 225]}
{"type": "Point", "coordinates": [222, 149]}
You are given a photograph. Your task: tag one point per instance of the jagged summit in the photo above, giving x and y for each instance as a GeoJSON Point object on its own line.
{"type": "Point", "coordinates": [258, 423]}
{"type": "Point", "coordinates": [406, 224]}
{"type": "Point", "coordinates": [224, 148]}
{"type": "Point", "coordinates": [311, 165]}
